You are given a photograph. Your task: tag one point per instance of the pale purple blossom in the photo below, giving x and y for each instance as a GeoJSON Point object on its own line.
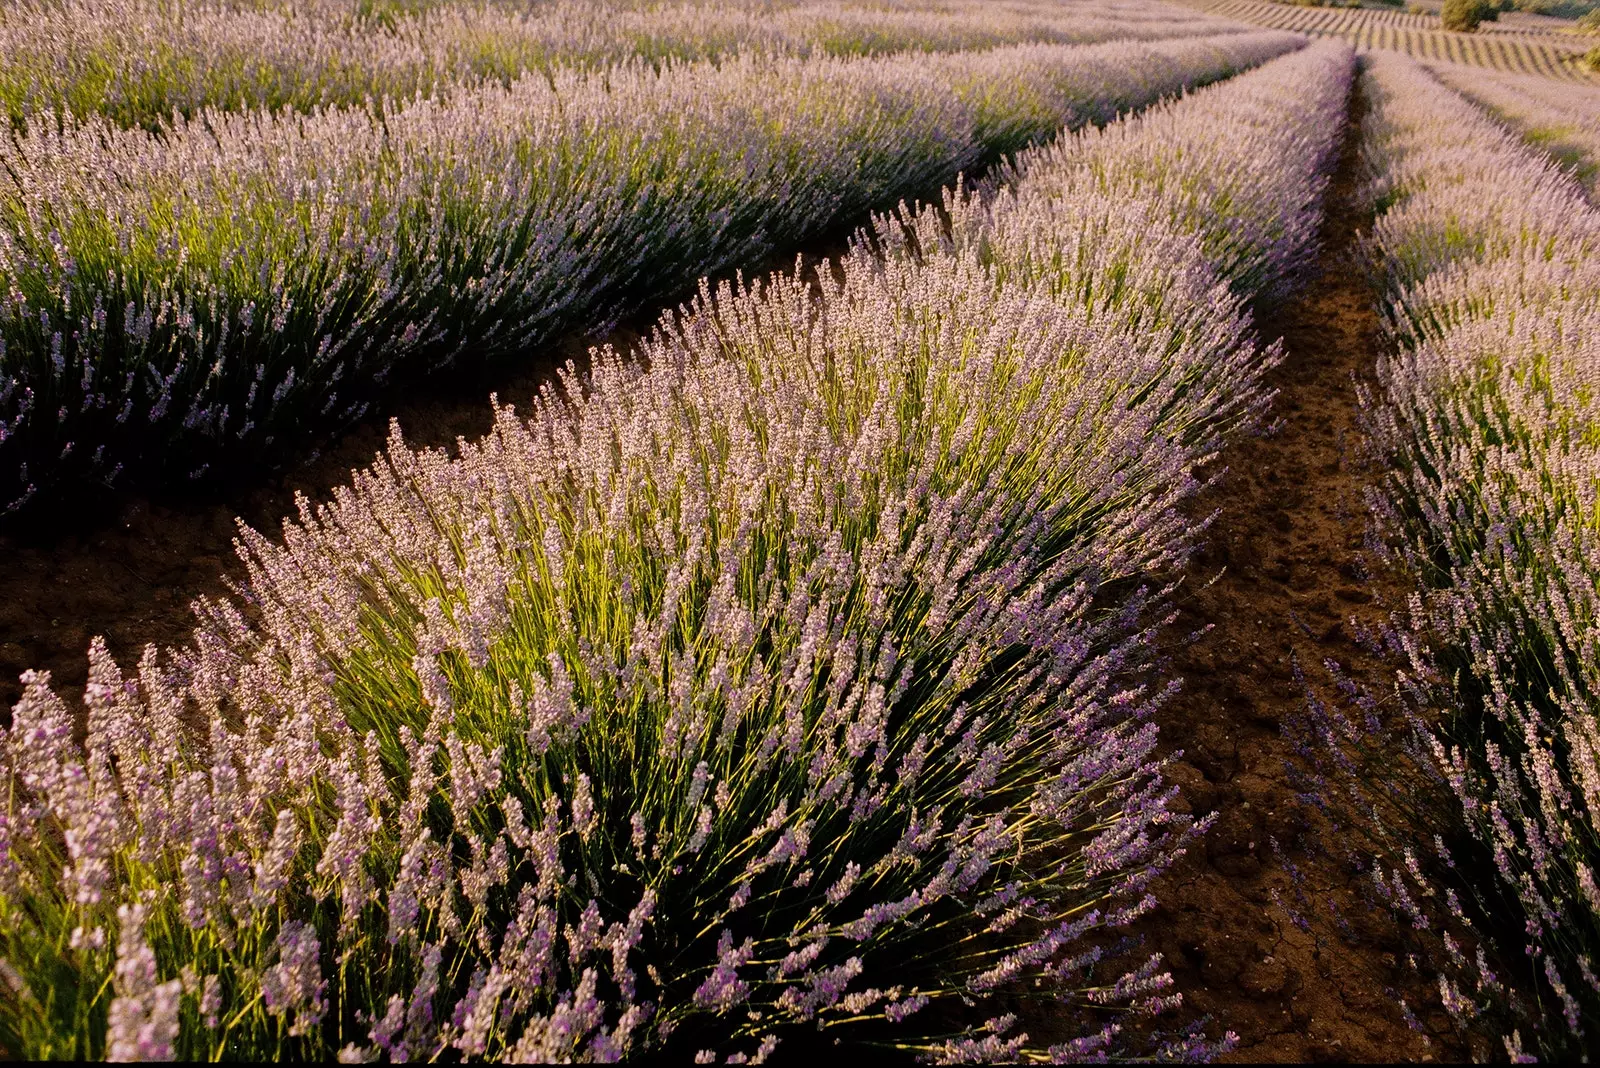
{"type": "Point", "coordinates": [295, 985]}
{"type": "Point", "coordinates": [142, 1022]}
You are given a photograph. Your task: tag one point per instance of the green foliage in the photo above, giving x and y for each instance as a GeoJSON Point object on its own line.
{"type": "Point", "coordinates": [1464, 16]}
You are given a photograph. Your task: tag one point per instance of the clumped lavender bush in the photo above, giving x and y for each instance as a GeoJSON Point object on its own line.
{"type": "Point", "coordinates": [1483, 424]}
{"type": "Point", "coordinates": [783, 678]}
{"type": "Point", "coordinates": [137, 62]}
{"type": "Point", "coordinates": [1562, 120]}
{"type": "Point", "coordinates": [235, 287]}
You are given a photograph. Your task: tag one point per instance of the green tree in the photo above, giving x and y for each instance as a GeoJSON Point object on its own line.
{"type": "Point", "coordinates": [1465, 15]}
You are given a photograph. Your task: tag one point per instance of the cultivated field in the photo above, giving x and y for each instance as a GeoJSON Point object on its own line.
{"type": "Point", "coordinates": [230, 287]}
{"type": "Point", "coordinates": [1032, 531]}
{"type": "Point", "coordinates": [135, 64]}
{"type": "Point", "coordinates": [1503, 48]}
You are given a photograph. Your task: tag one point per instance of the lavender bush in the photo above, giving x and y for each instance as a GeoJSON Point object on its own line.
{"type": "Point", "coordinates": [1564, 120]}
{"type": "Point", "coordinates": [1482, 420]}
{"type": "Point", "coordinates": [137, 62]}
{"type": "Point", "coordinates": [778, 679]}
{"type": "Point", "coordinates": [236, 286]}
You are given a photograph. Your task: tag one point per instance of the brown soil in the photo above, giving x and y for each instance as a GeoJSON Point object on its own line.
{"type": "Point", "coordinates": [1289, 582]}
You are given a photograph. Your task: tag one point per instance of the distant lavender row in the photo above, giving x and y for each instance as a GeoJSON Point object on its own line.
{"type": "Point", "coordinates": [782, 678]}
{"type": "Point", "coordinates": [138, 61]}
{"type": "Point", "coordinates": [238, 286]}
{"type": "Point", "coordinates": [1563, 119]}
{"type": "Point", "coordinates": [1486, 421]}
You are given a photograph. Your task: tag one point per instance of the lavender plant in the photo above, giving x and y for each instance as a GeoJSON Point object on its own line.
{"type": "Point", "coordinates": [782, 678]}
{"type": "Point", "coordinates": [233, 288]}
{"type": "Point", "coordinates": [136, 63]}
{"type": "Point", "coordinates": [1563, 121]}
{"type": "Point", "coordinates": [1482, 422]}
{"type": "Point", "coordinates": [1255, 218]}
{"type": "Point", "coordinates": [1022, 96]}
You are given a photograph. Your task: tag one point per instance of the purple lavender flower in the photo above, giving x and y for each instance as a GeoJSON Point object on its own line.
{"type": "Point", "coordinates": [295, 984]}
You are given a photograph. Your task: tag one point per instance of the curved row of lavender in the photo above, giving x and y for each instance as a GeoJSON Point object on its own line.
{"type": "Point", "coordinates": [784, 677]}
{"type": "Point", "coordinates": [1484, 417]}
{"type": "Point", "coordinates": [1563, 119]}
{"type": "Point", "coordinates": [236, 287]}
{"type": "Point", "coordinates": [137, 62]}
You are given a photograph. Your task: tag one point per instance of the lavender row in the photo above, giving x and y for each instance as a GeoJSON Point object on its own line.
{"type": "Point", "coordinates": [238, 286]}
{"type": "Point", "coordinates": [1563, 120]}
{"type": "Point", "coordinates": [1484, 419]}
{"type": "Point", "coordinates": [136, 63]}
{"type": "Point", "coordinates": [782, 677]}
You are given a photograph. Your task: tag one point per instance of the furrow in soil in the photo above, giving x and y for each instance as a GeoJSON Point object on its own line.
{"type": "Point", "coordinates": [1287, 578]}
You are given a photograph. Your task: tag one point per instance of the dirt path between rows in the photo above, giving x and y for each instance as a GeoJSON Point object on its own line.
{"type": "Point", "coordinates": [1290, 581]}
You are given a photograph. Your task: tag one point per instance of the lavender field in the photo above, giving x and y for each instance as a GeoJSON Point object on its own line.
{"type": "Point", "coordinates": [1044, 530]}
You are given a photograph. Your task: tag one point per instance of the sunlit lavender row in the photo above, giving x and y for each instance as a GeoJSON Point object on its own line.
{"type": "Point", "coordinates": [1485, 419]}
{"type": "Point", "coordinates": [239, 285]}
{"type": "Point", "coordinates": [136, 62]}
{"type": "Point", "coordinates": [780, 677]}
{"type": "Point", "coordinates": [1561, 119]}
